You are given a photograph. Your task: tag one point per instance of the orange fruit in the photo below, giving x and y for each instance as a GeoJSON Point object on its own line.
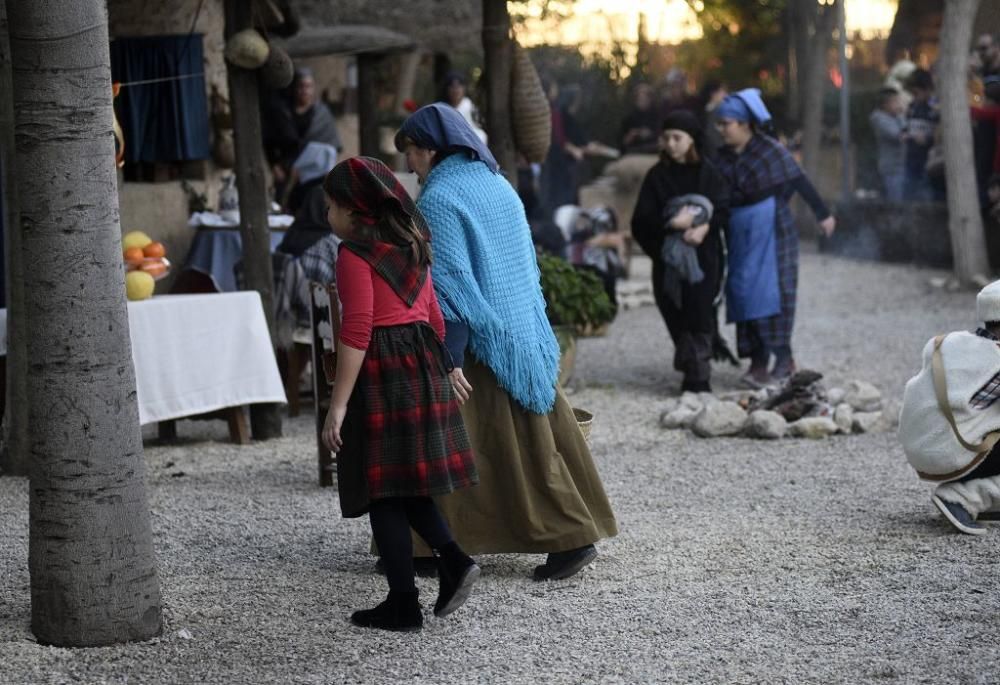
{"type": "Point", "coordinates": [155, 249]}
{"type": "Point", "coordinates": [154, 267]}
{"type": "Point", "coordinates": [133, 256]}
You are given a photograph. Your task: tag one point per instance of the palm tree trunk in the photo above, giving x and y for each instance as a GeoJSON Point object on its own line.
{"type": "Point", "coordinates": [14, 453]}
{"type": "Point", "coordinates": [93, 570]}
{"type": "Point", "coordinates": [965, 223]}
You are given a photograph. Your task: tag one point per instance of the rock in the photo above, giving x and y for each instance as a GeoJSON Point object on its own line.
{"type": "Point", "coordinates": [890, 412]}
{"type": "Point", "coordinates": [184, 634]}
{"type": "Point", "coordinates": [718, 419]}
{"type": "Point", "coordinates": [843, 416]}
{"type": "Point", "coordinates": [813, 427]}
{"type": "Point", "coordinates": [835, 395]}
{"type": "Point", "coordinates": [766, 425]}
{"type": "Point", "coordinates": [863, 396]}
{"type": "Point", "coordinates": [691, 401]}
{"type": "Point", "coordinates": [670, 405]}
{"type": "Point", "coordinates": [681, 417]}
{"type": "Point", "coordinates": [866, 422]}
{"type": "Point", "coordinates": [707, 398]}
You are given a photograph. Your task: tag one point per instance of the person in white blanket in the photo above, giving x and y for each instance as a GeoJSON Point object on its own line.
{"type": "Point", "coordinates": [950, 421]}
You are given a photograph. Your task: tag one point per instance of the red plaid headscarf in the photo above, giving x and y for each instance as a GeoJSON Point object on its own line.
{"type": "Point", "coordinates": [368, 188]}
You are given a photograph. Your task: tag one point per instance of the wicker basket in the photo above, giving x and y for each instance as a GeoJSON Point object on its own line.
{"type": "Point", "coordinates": [531, 118]}
{"type": "Point", "coordinates": [584, 419]}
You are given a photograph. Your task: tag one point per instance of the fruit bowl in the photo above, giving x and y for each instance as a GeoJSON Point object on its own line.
{"type": "Point", "coordinates": [157, 267]}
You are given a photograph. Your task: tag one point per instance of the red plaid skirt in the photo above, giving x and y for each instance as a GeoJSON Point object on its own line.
{"type": "Point", "coordinates": [403, 433]}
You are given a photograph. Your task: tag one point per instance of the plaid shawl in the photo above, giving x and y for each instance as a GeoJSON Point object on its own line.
{"type": "Point", "coordinates": [760, 170]}
{"type": "Point", "coordinates": [367, 187]}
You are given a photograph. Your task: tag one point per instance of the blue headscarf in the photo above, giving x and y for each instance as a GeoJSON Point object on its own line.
{"type": "Point", "coordinates": [744, 105]}
{"type": "Point", "coordinates": [441, 127]}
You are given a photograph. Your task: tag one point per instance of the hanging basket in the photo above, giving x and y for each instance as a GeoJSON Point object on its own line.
{"type": "Point", "coordinates": [278, 71]}
{"type": "Point", "coordinates": [530, 115]}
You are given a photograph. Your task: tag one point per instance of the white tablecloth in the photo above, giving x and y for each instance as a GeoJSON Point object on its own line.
{"type": "Point", "coordinates": [198, 353]}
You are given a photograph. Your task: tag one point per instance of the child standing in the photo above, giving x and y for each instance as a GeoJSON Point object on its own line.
{"type": "Point", "coordinates": [393, 420]}
{"type": "Point", "coordinates": [950, 422]}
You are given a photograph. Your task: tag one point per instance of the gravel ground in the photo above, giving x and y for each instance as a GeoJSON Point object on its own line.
{"type": "Point", "coordinates": [737, 562]}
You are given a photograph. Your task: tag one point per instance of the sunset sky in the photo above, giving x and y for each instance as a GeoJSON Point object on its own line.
{"type": "Point", "coordinates": [597, 23]}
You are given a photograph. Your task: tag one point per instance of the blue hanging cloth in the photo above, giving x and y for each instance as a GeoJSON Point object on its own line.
{"type": "Point", "coordinates": [752, 288]}
{"type": "Point", "coordinates": [165, 114]}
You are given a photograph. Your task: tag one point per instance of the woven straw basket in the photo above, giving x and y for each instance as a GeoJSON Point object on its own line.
{"type": "Point", "coordinates": [530, 115]}
{"type": "Point", "coordinates": [584, 419]}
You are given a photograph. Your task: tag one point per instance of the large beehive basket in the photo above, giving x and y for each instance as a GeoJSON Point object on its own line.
{"type": "Point", "coordinates": [530, 115]}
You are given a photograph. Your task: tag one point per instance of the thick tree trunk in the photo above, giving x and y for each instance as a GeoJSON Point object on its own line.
{"type": "Point", "coordinates": [798, 51]}
{"type": "Point", "coordinates": [265, 419]}
{"type": "Point", "coordinates": [14, 453]}
{"type": "Point", "coordinates": [93, 570]}
{"type": "Point", "coordinates": [965, 223]}
{"type": "Point", "coordinates": [499, 57]}
{"type": "Point", "coordinates": [821, 23]}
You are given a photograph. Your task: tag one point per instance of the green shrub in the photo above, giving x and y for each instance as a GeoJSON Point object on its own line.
{"type": "Point", "coordinates": [573, 297]}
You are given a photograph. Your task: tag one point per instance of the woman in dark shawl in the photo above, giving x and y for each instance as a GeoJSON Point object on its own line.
{"type": "Point", "coordinates": [688, 308]}
{"type": "Point", "coordinates": [763, 244]}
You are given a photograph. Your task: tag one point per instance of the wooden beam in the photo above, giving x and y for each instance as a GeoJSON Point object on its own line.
{"type": "Point", "coordinates": [368, 104]}
{"type": "Point", "coordinates": [265, 419]}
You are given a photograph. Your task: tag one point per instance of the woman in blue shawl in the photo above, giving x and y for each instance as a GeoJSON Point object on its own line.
{"type": "Point", "coordinates": [763, 244]}
{"type": "Point", "coordinates": [539, 489]}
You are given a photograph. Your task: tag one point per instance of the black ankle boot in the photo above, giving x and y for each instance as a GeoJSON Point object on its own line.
{"type": "Point", "coordinates": [400, 611]}
{"type": "Point", "coordinates": [457, 573]}
{"type": "Point", "coordinates": [562, 565]}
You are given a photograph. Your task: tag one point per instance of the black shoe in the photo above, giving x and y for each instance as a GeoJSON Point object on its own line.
{"type": "Point", "coordinates": [958, 516]}
{"type": "Point", "coordinates": [400, 612]}
{"type": "Point", "coordinates": [562, 565]}
{"type": "Point", "coordinates": [457, 573]}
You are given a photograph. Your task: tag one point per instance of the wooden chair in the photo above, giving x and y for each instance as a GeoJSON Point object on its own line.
{"type": "Point", "coordinates": [325, 323]}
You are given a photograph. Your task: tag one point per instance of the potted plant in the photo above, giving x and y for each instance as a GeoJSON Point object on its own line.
{"type": "Point", "coordinates": [575, 302]}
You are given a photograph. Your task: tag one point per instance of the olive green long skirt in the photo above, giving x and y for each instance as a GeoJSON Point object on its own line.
{"type": "Point", "coordinates": [538, 491]}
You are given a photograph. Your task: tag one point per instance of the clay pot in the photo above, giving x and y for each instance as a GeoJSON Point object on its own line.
{"type": "Point", "coordinates": [224, 149]}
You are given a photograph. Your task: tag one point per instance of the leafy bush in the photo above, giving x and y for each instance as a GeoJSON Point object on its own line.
{"type": "Point", "coordinates": [573, 297]}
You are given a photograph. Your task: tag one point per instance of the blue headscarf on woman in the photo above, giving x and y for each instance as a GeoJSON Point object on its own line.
{"type": "Point", "coordinates": [440, 126]}
{"type": "Point", "coordinates": [744, 105]}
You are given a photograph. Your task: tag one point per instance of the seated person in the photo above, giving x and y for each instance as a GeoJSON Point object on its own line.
{"type": "Point", "coordinates": [592, 242]}
{"type": "Point", "coordinates": [290, 123]}
{"type": "Point", "coordinates": [950, 422]}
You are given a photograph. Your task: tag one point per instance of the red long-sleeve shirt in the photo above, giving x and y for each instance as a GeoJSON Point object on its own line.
{"type": "Point", "coordinates": [368, 301]}
{"type": "Point", "coordinates": [990, 114]}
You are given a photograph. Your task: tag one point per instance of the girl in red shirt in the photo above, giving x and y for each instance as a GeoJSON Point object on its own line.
{"type": "Point", "coordinates": [394, 420]}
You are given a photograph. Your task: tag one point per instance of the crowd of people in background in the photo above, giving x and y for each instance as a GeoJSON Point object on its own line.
{"type": "Point", "coordinates": [906, 125]}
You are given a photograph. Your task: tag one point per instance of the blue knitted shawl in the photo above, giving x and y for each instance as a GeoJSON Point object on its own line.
{"type": "Point", "coordinates": [486, 276]}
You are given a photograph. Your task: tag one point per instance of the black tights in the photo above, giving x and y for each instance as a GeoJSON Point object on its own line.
{"type": "Point", "coordinates": [391, 520]}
